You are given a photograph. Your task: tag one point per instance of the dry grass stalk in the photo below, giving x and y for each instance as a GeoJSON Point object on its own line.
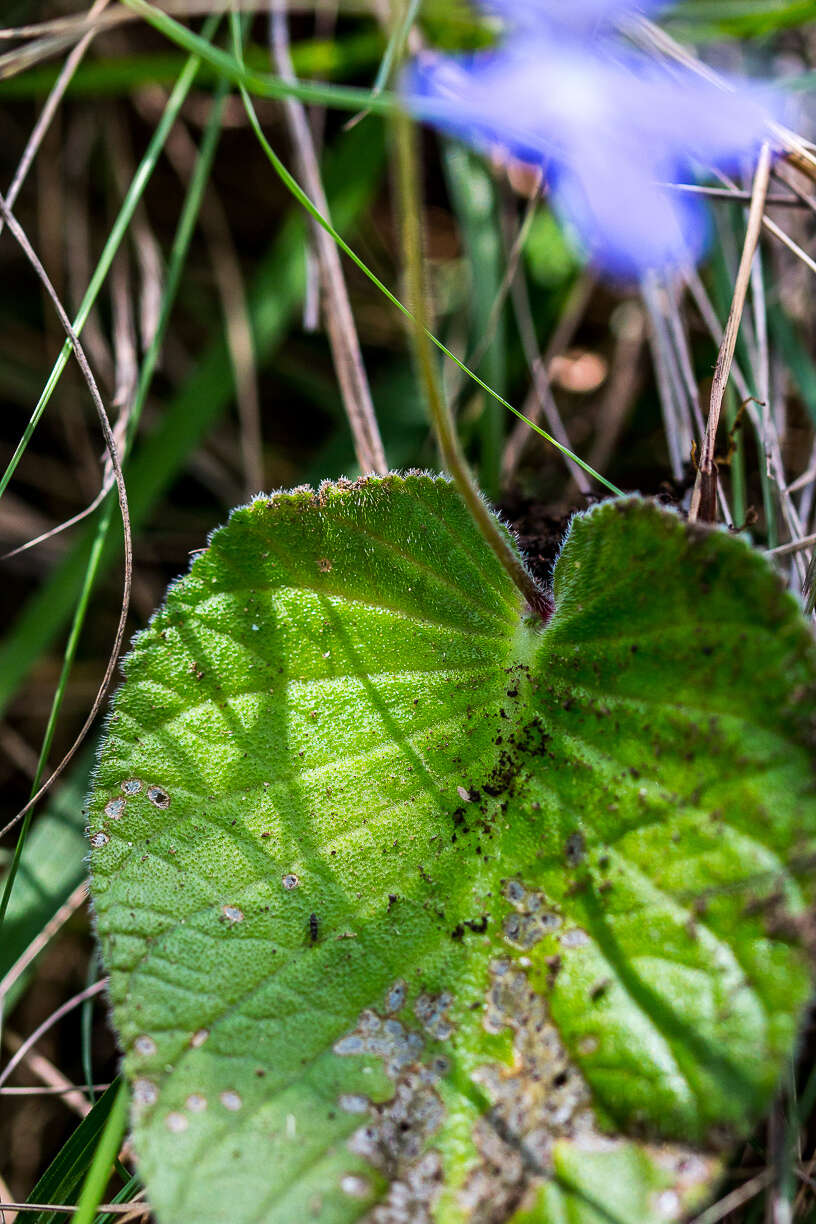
{"type": "Point", "coordinates": [704, 495]}
{"type": "Point", "coordinates": [345, 344]}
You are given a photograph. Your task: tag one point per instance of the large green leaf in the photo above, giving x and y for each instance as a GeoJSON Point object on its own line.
{"type": "Point", "coordinates": [416, 910]}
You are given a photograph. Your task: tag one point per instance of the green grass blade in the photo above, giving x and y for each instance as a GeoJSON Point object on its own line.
{"type": "Point", "coordinates": [395, 46]}
{"type": "Point", "coordinates": [62, 1179]}
{"type": "Point", "coordinates": [344, 98]}
{"type": "Point", "coordinates": [263, 85]}
{"type": "Point", "coordinates": [113, 77]}
{"type": "Point", "coordinates": [181, 244]}
{"type": "Point", "coordinates": [51, 867]}
{"type": "Point", "coordinates": [120, 225]}
{"type": "Point", "coordinates": [797, 358]}
{"type": "Point", "coordinates": [300, 195]}
{"type": "Point", "coordinates": [124, 1196]}
{"type": "Point", "coordinates": [474, 200]}
{"type": "Point", "coordinates": [353, 174]}
{"type": "Point", "coordinates": [104, 1156]}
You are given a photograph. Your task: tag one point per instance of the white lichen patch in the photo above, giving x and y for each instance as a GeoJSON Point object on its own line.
{"type": "Point", "coordinates": [196, 1103]}
{"type": "Point", "coordinates": [145, 1092]}
{"type": "Point", "coordinates": [395, 1136]}
{"type": "Point", "coordinates": [690, 1171]}
{"type": "Point", "coordinates": [131, 786]}
{"type": "Point", "coordinates": [534, 917]}
{"type": "Point", "coordinates": [98, 840]}
{"type": "Point", "coordinates": [115, 807]}
{"type": "Point", "coordinates": [355, 1186]}
{"type": "Point", "coordinates": [394, 1142]}
{"type": "Point", "coordinates": [354, 1103]}
{"type": "Point", "coordinates": [395, 997]}
{"type": "Point", "coordinates": [145, 1046]}
{"type": "Point", "coordinates": [668, 1205]}
{"type": "Point", "coordinates": [176, 1123]}
{"type": "Point", "coordinates": [385, 1038]}
{"type": "Point", "coordinates": [199, 1037]}
{"type": "Point", "coordinates": [398, 1129]}
{"type": "Point", "coordinates": [574, 938]}
{"type": "Point", "coordinates": [290, 881]}
{"type": "Point", "coordinates": [231, 1101]}
{"type": "Point", "coordinates": [232, 914]}
{"type": "Point", "coordinates": [541, 1098]}
{"type": "Point", "coordinates": [158, 796]}
{"type": "Point", "coordinates": [431, 1012]}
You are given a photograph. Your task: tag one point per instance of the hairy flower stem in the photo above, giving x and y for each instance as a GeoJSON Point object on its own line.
{"type": "Point", "coordinates": [441, 420]}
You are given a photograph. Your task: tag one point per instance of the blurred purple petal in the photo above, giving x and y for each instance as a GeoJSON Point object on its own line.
{"type": "Point", "coordinates": [627, 224]}
{"type": "Point", "coordinates": [607, 126]}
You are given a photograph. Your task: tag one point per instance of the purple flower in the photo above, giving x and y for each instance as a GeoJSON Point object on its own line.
{"type": "Point", "coordinates": [609, 127]}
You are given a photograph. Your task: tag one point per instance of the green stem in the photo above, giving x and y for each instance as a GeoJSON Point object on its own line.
{"type": "Point", "coordinates": [441, 419]}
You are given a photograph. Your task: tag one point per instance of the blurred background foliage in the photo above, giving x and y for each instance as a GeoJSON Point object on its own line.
{"type": "Point", "coordinates": [244, 397]}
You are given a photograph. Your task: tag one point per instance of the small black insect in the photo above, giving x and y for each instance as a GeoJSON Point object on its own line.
{"type": "Point", "coordinates": [313, 927]}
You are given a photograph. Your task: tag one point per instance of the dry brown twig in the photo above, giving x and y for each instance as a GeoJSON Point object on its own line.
{"type": "Point", "coordinates": [716, 331]}
{"type": "Point", "coordinates": [735, 1199]}
{"type": "Point", "coordinates": [45, 1071]}
{"type": "Point", "coordinates": [703, 498]}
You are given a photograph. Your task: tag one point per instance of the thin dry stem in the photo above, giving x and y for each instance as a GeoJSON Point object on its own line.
{"type": "Point", "coordinates": [50, 1090]}
{"type": "Point", "coordinates": [68, 1006]}
{"type": "Point", "coordinates": [50, 108]}
{"type": "Point", "coordinates": [452, 457]}
{"type": "Point", "coordinates": [128, 1210]}
{"type": "Point", "coordinates": [47, 1073]}
{"type": "Point", "coordinates": [716, 331]}
{"type": "Point", "coordinates": [735, 1199]}
{"type": "Point", "coordinates": [538, 371]}
{"type": "Point", "coordinates": [703, 498]}
{"type": "Point", "coordinates": [42, 938]}
{"type": "Point", "coordinates": [622, 384]}
{"type": "Point", "coordinates": [735, 196]}
{"type": "Point", "coordinates": [676, 429]}
{"type": "Point", "coordinates": [537, 402]}
{"type": "Point", "coordinates": [6, 1216]}
{"type": "Point", "coordinates": [145, 243]}
{"type": "Point", "coordinates": [792, 546]}
{"type": "Point", "coordinates": [110, 442]}
{"type": "Point", "coordinates": [793, 247]}
{"type": "Point", "coordinates": [80, 140]}
{"type": "Point", "coordinates": [107, 485]}
{"type": "Point", "coordinates": [345, 344]}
